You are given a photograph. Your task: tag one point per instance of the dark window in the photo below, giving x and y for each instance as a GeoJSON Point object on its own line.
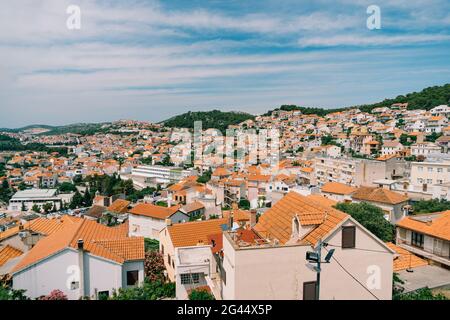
{"type": "Point", "coordinates": [162, 249]}
{"type": "Point", "coordinates": [168, 260]}
{"type": "Point", "coordinates": [348, 237]}
{"type": "Point", "coordinates": [132, 278]}
{"type": "Point", "coordinates": [417, 239]}
{"type": "Point", "coordinates": [103, 295]}
{"type": "Point", "coordinates": [309, 290]}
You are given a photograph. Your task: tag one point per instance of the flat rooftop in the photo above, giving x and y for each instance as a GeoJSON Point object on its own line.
{"type": "Point", "coordinates": [35, 193]}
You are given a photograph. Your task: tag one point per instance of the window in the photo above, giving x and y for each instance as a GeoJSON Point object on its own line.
{"type": "Point", "coordinates": [439, 170]}
{"type": "Point", "coordinates": [420, 168]}
{"type": "Point", "coordinates": [309, 290]}
{"type": "Point", "coordinates": [417, 239]}
{"type": "Point", "coordinates": [430, 169]}
{"type": "Point", "coordinates": [190, 278]}
{"type": "Point", "coordinates": [429, 181]}
{"type": "Point", "coordinates": [132, 278]}
{"type": "Point", "coordinates": [74, 285]}
{"type": "Point", "coordinates": [348, 237]}
{"type": "Point", "coordinates": [168, 259]}
{"type": "Point", "coordinates": [162, 249]}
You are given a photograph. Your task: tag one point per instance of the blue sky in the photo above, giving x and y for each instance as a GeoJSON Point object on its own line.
{"type": "Point", "coordinates": [149, 60]}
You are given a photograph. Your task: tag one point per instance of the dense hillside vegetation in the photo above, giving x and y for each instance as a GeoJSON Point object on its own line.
{"type": "Point", "coordinates": [11, 144]}
{"type": "Point", "coordinates": [78, 128]}
{"type": "Point", "coordinates": [210, 119]}
{"type": "Point", "coordinates": [425, 99]}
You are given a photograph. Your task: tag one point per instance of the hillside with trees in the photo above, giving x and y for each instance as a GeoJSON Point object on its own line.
{"type": "Point", "coordinates": [426, 99]}
{"type": "Point", "coordinates": [210, 119]}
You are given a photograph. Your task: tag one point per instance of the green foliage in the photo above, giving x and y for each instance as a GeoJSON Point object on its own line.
{"type": "Point", "coordinates": [407, 140]}
{"type": "Point", "coordinates": [47, 207]}
{"type": "Point", "coordinates": [36, 208]}
{"type": "Point", "coordinates": [5, 192]}
{"type": "Point", "coordinates": [429, 206]}
{"type": "Point", "coordinates": [154, 266]}
{"type": "Point", "coordinates": [371, 217]}
{"type": "Point", "coordinates": [151, 244]}
{"type": "Point", "coordinates": [433, 137]}
{"type": "Point", "coordinates": [162, 204]}
{"type": "Point", "coordinates": [7, 293]}
{"type": "Point", "coordinates": [200, 294]}
{"type": "Point", "coordinates": [148, 291]}
{"type": "Point", "coordinates": [67, 187]}
{"type": "Point", "coordinates": [12, 144]}
{"type": "Point", "coordinates": [210, 119]}
{"type": "Point", "coordinates": [420, 294]}
{"type": "Point", "coordinates": [244, 204]}
{"type": "Point", "coordinates": [327, 140]}
{"type": "Point", "coordinates": [426, 99]}
{"type": "Point", "coordinates": [165, 162]}
{"type": "Point", "coordinates": [140, 194]}
{"type": "Point", "coordinates": [205, 177]}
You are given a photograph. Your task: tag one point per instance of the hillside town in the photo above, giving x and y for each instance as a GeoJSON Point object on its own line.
{"type": "Point", "coordinates": [360, 198]}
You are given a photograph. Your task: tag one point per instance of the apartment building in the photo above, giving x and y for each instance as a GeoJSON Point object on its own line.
{"type": "Point", "coordinates": [350, 171]}
{"type": "Point", "coordinates": [424, 149]}
{"type": "Point", "coordinates": [427, 235]}
{"type": "Point", "coordinates": [268, 262]}
{"type": "Point", "coordinates": [424, 175]}
{"type": "Point", "coordinates": [145, 176]}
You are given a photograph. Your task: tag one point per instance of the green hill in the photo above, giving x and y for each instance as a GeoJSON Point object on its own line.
{"type": "Point", "coordinates": [426, 99]}
{"type": "Point", "coordinates": [210, 119]}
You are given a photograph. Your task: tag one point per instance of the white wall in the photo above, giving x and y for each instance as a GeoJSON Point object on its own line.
{"type": "Point", "coordinates": [142, 226]}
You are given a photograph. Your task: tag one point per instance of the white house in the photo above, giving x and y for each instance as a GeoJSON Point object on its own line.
{"type": "Point", "coordinates": [268, 262]}
{"type": "Point", "coordinates": [26, 199]}
{"type": "Point", "coordinates": [82, 259]}
{"type": "Point", "coordinates": [391, 148]}
{"type": "Point", "coordinates": [147, 220]}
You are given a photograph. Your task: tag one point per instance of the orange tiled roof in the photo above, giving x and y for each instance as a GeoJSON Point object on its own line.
{"type": "Point", "coordinates": [405, 259]}
{"type": "Point", "coordinates": [379, 195]}
{"type": "Point", "coordinates": [191, 233]}
{"type": "Point", "coordinates": [7, 253]}
{"type": "Point", "coordinates": [434, 224]}
{"type": "Point", "coordinates": [337, 188]}
{"type": "Point", "coordinates": [322, 200]}
{"type": "Point", "coordinates": [110, 243]}
{"type": "Point", "coordinates": [154, 211]}
{"type": "Point", "coordinates": [119, 206]}
{"type": "Point", "coordinates": [277, 221]}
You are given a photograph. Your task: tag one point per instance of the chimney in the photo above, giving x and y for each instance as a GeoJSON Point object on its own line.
{"type": "Point", "coordinates": [169, 202]}
{"type": "Point", "coordinates": [80, 244]}
{"type": "Point", "coordinates": [168, 222]}
{"type": "Point", "coordinates": [252, 218]}
{"type": "Point", "coordinates": [230, 221]}
{"type": "Point", "coordinates": [20, 226]}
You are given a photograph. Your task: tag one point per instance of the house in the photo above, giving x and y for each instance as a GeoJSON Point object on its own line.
{"type": "Point", "coordinates": [268, 261]}
{"type": "Point", "coordinates": [392, 203]}
{"type": "Point", "coordinates": [82, 258]}
{"type": "Point", "coordinates": [426, 235]}
{"type": "Point", "coordinates": [147, 220]}
{"type": "Point", "coordinates": [424, 149]}
{"type": "Point", "coordinates": [391, 148]}
{"type": "Point", "coordinates": [193, 210]}
{"type": "Point", "coordinates": [185, 242]}
{"type": "Point", "coordinates": [337, 191]}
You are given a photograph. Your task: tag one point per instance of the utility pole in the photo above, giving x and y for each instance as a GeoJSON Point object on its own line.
{"type": "Point", "coordinates": [316, 257]}
{"type": "Point", "coordinates": [318, 251]}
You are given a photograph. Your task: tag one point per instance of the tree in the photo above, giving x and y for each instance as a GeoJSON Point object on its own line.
{"type": "Point", "coordinates": [200, 294]}
{"type": "Point", "coordinates": [7, 293]}
{"type": "Point", "coordinates": [154, 266]}
{"type": "Point", "coordinates": [205, 177]}
{"type": "Point", "coordinates": [244, 204]}
{"type": "Point", "coordinates": [151, 244]}
{"type": "Point", "coordinates": [36, 208]}
{"type": "Point", "coordinates": [420, 294]}
{"type": "Point", "coordinates": [77, 201]}
{"type": "Point", "coordinates": [371, 217]}
{"type": "Point", "coordinates": [47, 207]}
{"type": "Point", "coordinates": [67, 187]}
{"type": "Point", "coordinates": [150, 290]}
{"type": "Point", "coordinates": [429, 206]}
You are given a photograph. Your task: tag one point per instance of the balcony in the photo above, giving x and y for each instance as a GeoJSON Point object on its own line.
{"type": "Point", "coordinates": [428, 255]}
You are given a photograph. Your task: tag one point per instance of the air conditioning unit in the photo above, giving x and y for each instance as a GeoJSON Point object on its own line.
{"type": "Point", "coordinates": [23, 234]}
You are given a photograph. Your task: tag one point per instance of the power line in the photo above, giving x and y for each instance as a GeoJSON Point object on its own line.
{"type": "Point", "coordinates": [362, 249]}
{"type": "Point", "coordinates": [354, 278]}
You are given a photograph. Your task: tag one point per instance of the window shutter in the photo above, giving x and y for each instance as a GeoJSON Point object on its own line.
{"type": "Point", "coordinates": [348, 237]}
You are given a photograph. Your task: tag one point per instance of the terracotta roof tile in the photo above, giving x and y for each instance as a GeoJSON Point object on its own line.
{"type": "Point", "coordinates": [379, 195]}
{"type": "Point", "coordinates": [7, 253]}
{"type": "Point", "coordinates": [337, 188]}
{"type": "Point", "coordinates": [405, 259]}
{"type": "Point", "coordinates": [191, 233]}
{"type": "Point", "coordinates": [154, 211]}
{"type": "Point", "coordinates": [434, 224]}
